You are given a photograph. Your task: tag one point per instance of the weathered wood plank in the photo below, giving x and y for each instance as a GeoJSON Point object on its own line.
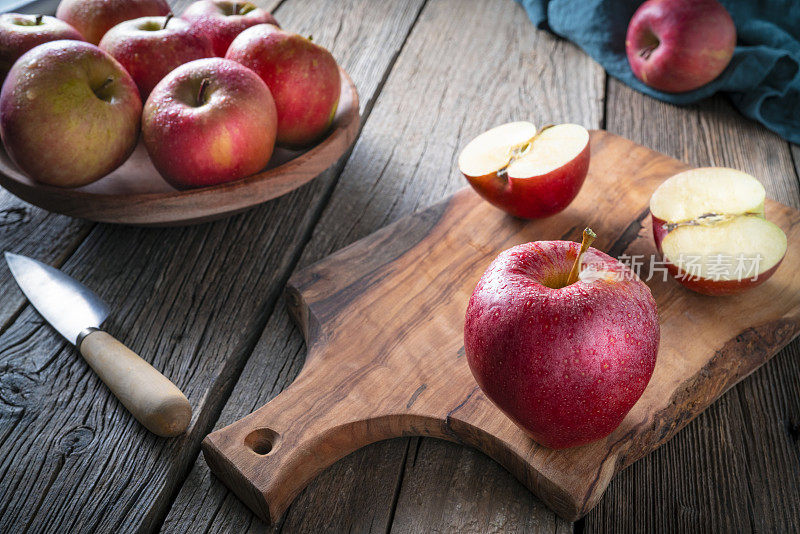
{"type": "Point", "coordinates": [403, 162]}
{"type": "Point", "coordinates": [736, 467]}
{"type": "Point", "coordinates": [450, 488]}
{"type": "Point", "coordinates": [190, 300]}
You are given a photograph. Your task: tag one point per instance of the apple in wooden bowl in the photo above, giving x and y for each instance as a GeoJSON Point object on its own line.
{"type": "Point", "coordinates": [132, 190]}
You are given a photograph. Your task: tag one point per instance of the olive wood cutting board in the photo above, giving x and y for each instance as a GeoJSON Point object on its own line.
{"type": "Point", "coordinates": [383, 321]}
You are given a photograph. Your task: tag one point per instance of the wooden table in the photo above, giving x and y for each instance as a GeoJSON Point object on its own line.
{"type": "Point", "coordinates": [204, 304]}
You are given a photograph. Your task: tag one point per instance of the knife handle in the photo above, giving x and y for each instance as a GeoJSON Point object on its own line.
{"type": "Point", "coordinates": [147, 394]}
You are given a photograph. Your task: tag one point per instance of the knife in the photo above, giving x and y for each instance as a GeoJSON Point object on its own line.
{"type": "Point", "coordinates": [76, 312]}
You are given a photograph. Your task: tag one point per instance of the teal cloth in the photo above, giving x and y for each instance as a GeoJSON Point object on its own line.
{"type": "Point", "coordinates": [762, 80]}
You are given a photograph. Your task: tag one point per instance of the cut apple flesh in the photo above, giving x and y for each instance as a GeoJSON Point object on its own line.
{"type": "Point", "coordinates": [707, 192]}
{"type": "Point", "coordinates": [528, 173]}
{"type": "Point", "coordinates": [493, 150]}
{"type": "Point", "coordinates": [552, 148]}
{"type": "Point", "coordinates": [519, 151]}
{"type": "Point", "coordinates": [741, 248]}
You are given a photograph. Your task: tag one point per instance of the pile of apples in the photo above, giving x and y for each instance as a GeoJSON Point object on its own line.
{"type": "Point", "coordinates": [564, 338]}
{"type": "Point", "coordinates": [212, 92]}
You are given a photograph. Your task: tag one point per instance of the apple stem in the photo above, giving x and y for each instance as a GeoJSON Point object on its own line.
{"type": "Point", "coordinates": [236, 6]}
{"type": "Point", "coordinates": [167, 19]}
{"type": "Point", "coordinates": [105, 83]}
{"type": "Point", "coordinates": [202, 92]}
{"type": "Point", "coordinates": [647, 51]}
{"type": "Point", "coordinates": [39, 19]}
{"type": "Point", "coordinates": [311, 38]}
{"type": "Point", "coordinates": [520, 150]}
{"type": "Point", "coordinates": [516, 152]}
{"type": "Point", "coordinates": [543, 128]}
{"type": "Point", "coordinates": [588, 238]}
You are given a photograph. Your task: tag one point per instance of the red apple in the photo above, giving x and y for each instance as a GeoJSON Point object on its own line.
{"type": "Point", "coordinates": [209, 121]}
{"type": "Point", "coordinates": [151, 47]}
{"type": "Point", "coordinates": [565, 356]}
{"type": "Point", "coordinates": [93, 18]}
{"type": "Point", "coordinates": [525, 172]}
{"type": "Point", "coordinates": [679, 45]}
{"type": "Point", "coordinates": [20, 33]}
{"type": "Point", "coordinates": [302, 76]}
{"type": "Point", "coordinates": [69, 113]}
{"type": "Point", "coordinates": [223, 20]}
{"type": "Point", "coordinates": [709, 226]}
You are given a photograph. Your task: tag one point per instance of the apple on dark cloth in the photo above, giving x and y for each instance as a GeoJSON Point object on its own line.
{"type": "Point", "coordinates": [302, 76]}
{"type": "Point", "coordinates": [93, 18]}
{"type": "Point", "coordinates": [223, 20]}
{"type": "Point", "coordinates": [69, 113]}
{"type": "Point", "coordinates": [680, 45]}
{"type": "Point", "coordinates": [762, 78]}
{"type": "Point", "coordinates": [151, 47]}
{"type": "Point", "coordinates": [208, 122]}
{"type": "Point", "coordinates": [564, 353]}
{"type": "Point", "coordinates": [20, 33]}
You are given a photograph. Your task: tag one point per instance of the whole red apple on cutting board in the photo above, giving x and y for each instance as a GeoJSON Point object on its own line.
{"type": "Point", "coordinates": [710, 227]}
{"type": "Point", "coordinates": [93, 18]}
{"type": "Point", "coordinates": [564, 354]}
{"type": "Point", "coordinates": [302, 76]}
{"type": "Point", "coordinates": [527, 172]}
{"type": "Point", "coordinates": [223, 20]}
{"type": "Point", "coordinates": [680, 45]}
{"type": "Point", "coordinates": [20, 33]}
{"type": "Point", "coordinates": [69, 113]}
{"type": "Point", "coordinates": [209, 121]}
{"type": "Point", "coordinates": [151, 47]}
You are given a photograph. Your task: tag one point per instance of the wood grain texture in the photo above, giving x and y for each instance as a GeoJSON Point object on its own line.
{"type": "Point", "coordinates": [190, 300]}
{"type": "Point", "coordinates": [403, 162]}
{"type": "Point", "coordinates": [135, 193]}
{"type": "Point", "coordinates": [748, 479]}
{"type": "Point", "coordinates": [795, 149]}
{"type": "Point", "coordinates": [383, 320]}
{"type": "Point", "coordinates": [467, 495]}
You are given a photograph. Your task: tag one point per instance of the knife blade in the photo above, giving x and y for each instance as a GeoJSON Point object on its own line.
{"type": "Point", "coordinates": [52, 292]}
{"type": "Point", "coordinates": [76, 313]}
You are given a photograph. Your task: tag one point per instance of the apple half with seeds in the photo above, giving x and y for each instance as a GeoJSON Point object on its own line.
{"type": "Point", "coordinates": [527, 172]}
{"type": "Point", "coordinates": [710, 228]}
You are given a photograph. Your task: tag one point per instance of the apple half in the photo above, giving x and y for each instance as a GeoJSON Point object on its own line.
{"type": "Point", "coordinates": [709, 226]}
{"type": "Point", "coordinates": [527, 172]}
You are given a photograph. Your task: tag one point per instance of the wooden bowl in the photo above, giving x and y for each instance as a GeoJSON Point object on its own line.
{"type": "Point", "coordinates": [136, 193]}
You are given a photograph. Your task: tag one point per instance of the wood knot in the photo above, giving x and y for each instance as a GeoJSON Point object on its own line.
{"type": "Point", "coordinates": [793, 429]}
{"type": "Point", "coordinates": [14, 216]}
{"type": "Point", "coordinates": [15, 387]}
{"type": "Point", "coordinates": [75, 440]}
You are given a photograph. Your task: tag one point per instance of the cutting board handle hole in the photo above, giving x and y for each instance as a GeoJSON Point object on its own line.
{"type": "Point", "coordinates": [261, 441]}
